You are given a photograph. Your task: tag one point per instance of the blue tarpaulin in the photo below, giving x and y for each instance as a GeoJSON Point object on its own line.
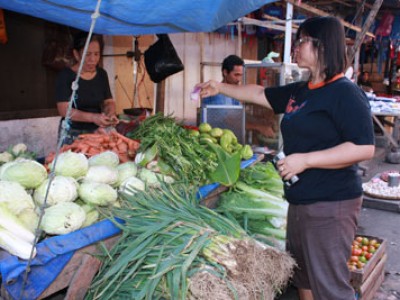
{"type": "Point", "coordinates": [137, 17]}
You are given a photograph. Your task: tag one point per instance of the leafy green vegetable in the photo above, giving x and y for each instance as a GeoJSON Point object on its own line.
{"type": "Point", "coordinates": [29, 173]}
{"type": "Point", "coordinates": [63, 218]}
{"type": "Point", "coordinates": [227, 172]}
{"type": "Point", "coordinates": [105, 158]}
{"type": "Point", "coordinates": [62, 189]}
{"type": "Point", "coordinates": [187, 159]}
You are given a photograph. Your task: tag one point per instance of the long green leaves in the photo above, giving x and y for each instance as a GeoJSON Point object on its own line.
{"type": "Point", "coordinates": [164, 233]}
{"type": "Point", "coordinates": [189, 160]}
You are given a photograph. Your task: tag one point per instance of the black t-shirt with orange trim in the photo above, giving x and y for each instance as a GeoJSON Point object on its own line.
{"type": "Point", "coordinates": [317, 118]}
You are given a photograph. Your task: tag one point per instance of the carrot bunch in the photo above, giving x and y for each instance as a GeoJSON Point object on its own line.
{"type": "Point", "coordinates": [94, 143]}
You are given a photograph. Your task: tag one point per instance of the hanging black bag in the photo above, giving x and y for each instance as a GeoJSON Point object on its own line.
{"type": "Point", "coordinates": [161, 59]}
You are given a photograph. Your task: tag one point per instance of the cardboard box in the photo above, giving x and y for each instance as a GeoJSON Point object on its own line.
{"type": "Point", "coordinates": [366, 281]}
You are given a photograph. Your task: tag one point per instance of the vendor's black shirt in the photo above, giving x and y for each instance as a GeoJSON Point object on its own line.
{"type": "Point", "coordinates": [89, 96]}
{"type": "Point", "coordinates": [318, 119]}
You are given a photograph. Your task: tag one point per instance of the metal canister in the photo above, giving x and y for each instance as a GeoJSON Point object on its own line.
{"type": "Point", "coordinates": [393, 179]}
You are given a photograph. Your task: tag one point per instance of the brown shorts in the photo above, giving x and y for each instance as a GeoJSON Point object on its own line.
{"type": "Point", "coordinates": [319, 237]}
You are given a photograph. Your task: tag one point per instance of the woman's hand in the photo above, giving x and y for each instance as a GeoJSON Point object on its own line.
{"type": "Point", "coordinates": [291, 165]}
{"type": "Point", "coordinates": [208, 89]}
{"type": "Point", "coordinates": [102, 120]}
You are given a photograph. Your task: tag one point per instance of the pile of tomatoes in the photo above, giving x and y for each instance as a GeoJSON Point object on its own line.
{"type": "Point", "coordinates": [362, 250]}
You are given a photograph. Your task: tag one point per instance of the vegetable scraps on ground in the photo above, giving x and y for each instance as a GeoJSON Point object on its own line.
{"type": "Point", "coordinates": [173, 248]}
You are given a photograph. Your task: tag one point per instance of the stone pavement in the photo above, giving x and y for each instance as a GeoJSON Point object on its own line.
{"type": "Point", "coordinates": [379, 218]}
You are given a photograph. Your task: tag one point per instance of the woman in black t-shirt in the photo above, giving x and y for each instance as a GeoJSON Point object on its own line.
{"type": "Point", "coordinates": [326, 129]}
{"type": "Point", "coordinates": [93, 106]}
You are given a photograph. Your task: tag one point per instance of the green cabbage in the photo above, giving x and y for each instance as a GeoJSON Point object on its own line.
{"type": "Point", "coordinates": [97, 193]}
{"type": "Point", "coordinates": [103, 174]}
{"type": "Point", "coordinates": [62, 218]}
{"type": "Point", "coordinates": [62, 189]}
{"type": "Point", "coordinates": [15, 196]}
{"type": "Point", "coordinates": [15, 245]}
{"type": "Point", "coordinates": [92, 214]}
{"type": "Point", "coordinates": [71, 164]}
{"type": "Point", "coordinates": [106, 158]}
{"type": "Point", "coordinates": [10, 222]}
{"type": "Point", "coordinates": [6, 157]}
{"type": "Point", "coordinates": [126, 170]}
{"type": "Point", "coordinates": [132, 185]}
{"type": "Point", "coordinates": [29, 173]}
{"type": "Point", "coordinates": [29, 218]}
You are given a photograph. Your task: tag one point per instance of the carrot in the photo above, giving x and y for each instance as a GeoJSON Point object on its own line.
{"type": "Point", "coordinates": [121, 137]}
{"type": "Point", "coordinates": [92, 151]}
{"type": "Point", "coordinates": [90, 135]}
{"type": "Point", "coordinates": [83, 149]}
{"type": "Point", "coordinates": [133, 145]}
{"type": "Point", "coordinates": [122, 147]}
{"type": "Point", "coordinates": [123, 157]}
{"type": "Point", "coordinates": [49, 158]}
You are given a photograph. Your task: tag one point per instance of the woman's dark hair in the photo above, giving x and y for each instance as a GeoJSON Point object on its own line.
{"type": "Point", "coordinates": [80, 40]}
{"type": "Point", "coordinates": [231, 61]}
{"type": "Point", "coordinates": [330, 41]}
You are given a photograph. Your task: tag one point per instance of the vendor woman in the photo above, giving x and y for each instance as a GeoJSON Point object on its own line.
{"type": "Point", "coordinates": [93, 106]}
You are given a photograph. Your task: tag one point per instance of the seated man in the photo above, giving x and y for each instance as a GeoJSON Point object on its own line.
{"type": "Point", "coordinates": [232, 73]}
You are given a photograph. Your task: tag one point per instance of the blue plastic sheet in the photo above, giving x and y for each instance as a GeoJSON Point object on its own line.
{"type": "Point", "coordinates": [136, 17]}
{"type": "Point", "coordinates": [52, 256]}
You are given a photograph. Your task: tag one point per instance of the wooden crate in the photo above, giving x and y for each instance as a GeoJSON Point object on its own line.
{"type": "Point", "coordinates": [366, 281]}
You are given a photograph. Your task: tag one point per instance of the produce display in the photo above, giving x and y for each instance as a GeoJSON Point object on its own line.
{"type": "Point", "coordinates": [173, 248]}
{"type": "Point", "coordinates": [187, 154]}
{"type": "Point", "coordinates": [362, 250]}
{"type": "Point", "coordinates": [170, 245]}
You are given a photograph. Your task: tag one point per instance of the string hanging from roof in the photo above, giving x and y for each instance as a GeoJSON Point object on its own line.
{"type": "Point", "coordinates": [64, 130]}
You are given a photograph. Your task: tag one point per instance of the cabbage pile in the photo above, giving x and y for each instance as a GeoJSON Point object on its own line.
{"type": "Point", "coordinates": [69, 199]}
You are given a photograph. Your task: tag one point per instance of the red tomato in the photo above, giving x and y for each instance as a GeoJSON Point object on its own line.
{"type": "Point", "coordinates": [354, 258]}
{"type": "Point", "coordinates": [364, 248]}
{"type": "Point", "coordinates": [359, 239]}
{"type": "Point", "coordinates": [368, 255]}
{"type": "Point", "coordinates": [356, 252]}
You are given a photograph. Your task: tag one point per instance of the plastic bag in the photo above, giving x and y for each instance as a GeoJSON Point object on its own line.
{"type": "Point", "coordinates": [161, 59]}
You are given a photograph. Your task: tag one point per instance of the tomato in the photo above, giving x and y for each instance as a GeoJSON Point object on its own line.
{"type": "Point", "coordinates": [352, 267]}
{"type": "Point", "coordinates": [354, 258]}
{"type": "Point", "coordinates": [359, 239]}
{"type": "Point", "coordinates": [356, 252]}
{"type": "Point", "coordinates": [371, 249]}
{"type": "Point", "coordinates": [364, 248]}
{"type": "Point", "coordinates": [365, 241]}
{"type": "Point", "coordinates": [363, 259]}
{"type": "Point", "coordinates": [360, 265]}
{"type": "Point", "coordinates": [373, 242]}
{"type": "Point", "coordinates": [368, 255]}
{"type": "Point", "coordinates": [377, 245]}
